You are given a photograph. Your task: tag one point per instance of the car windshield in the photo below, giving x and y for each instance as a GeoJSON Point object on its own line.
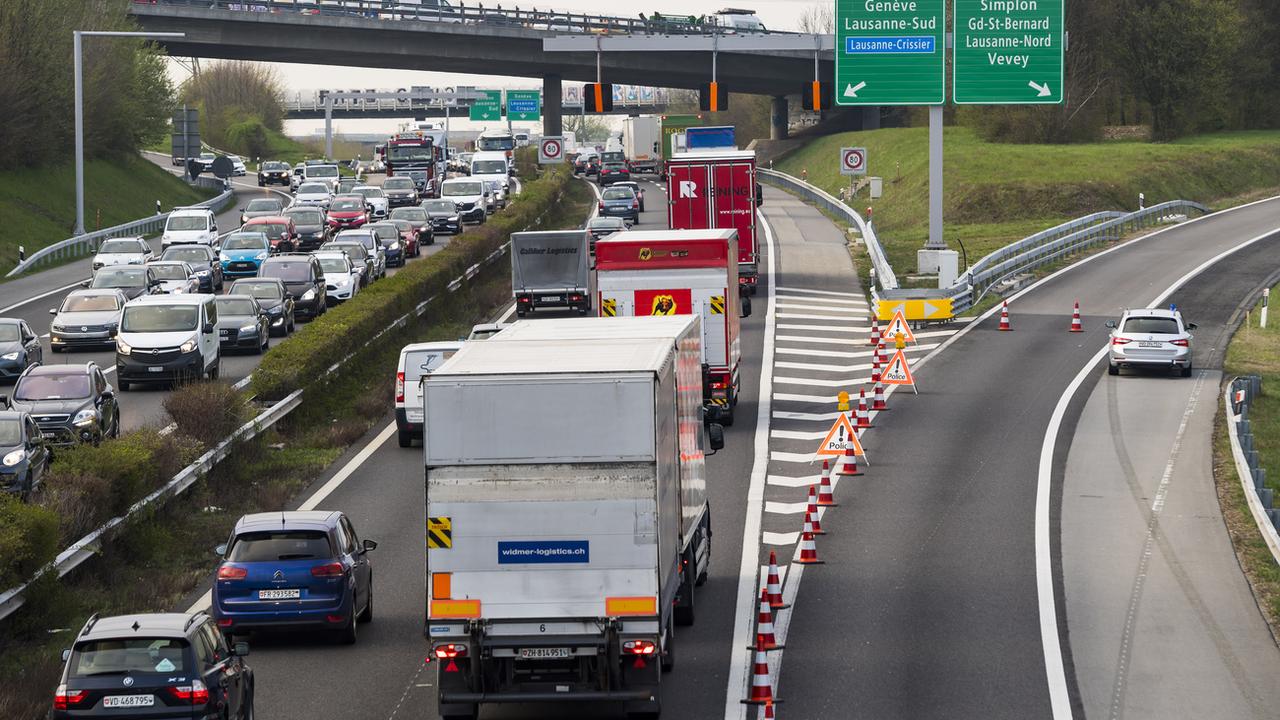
{"type": "Point", "coordinates": [232, 305]}
{"type": "Point", "coordinates": [489, 167]}
{"type": "Point", "coordinates": [401, 224]}
{"type": "Point", "coordinates": [263, 205]}
{"type": "Point", "coordinates": [312, 189]}
{"type": "Point", "coordinates": [607, 224]}
{"type": "Point", "coordinates": [10, 432]}
{"type": "Point", "coordinates": [196, 254]}
{"type": "Point", "coordinates": [417, 214]}
{"type": "Point", "coordinates": [370, 192]}
{"type": "Point", "coordinates": [53, 387]}
{"type": "Point", "coordinates": [439, 206]}
{"type": "Point", "coordinates": [386, 232]}
{"type": "Point", "coordinates": [159, 318]}
{"type": "Point", "coordinates": [9, 332]}
{"type": "Point", "coordinates": [618, 194]}
{"type": "Point", "coordinates": [496, 142]}
{"type": "Point", "coordinates": [410, 153]}
{"type": "Point", "coordinates": [169, 272]}
{"type": "Point", "coordinates": [334, 265]}
{"type": "Point", "coordinates": [352, 250]}
{"type": "Point", "coordinates": [128, 655]}
{"type": "Point", "coordinates": [1151, 325]}
{"type": "Point", "coordinates": [119, 278]}
{"type": "Point", "coordinates": [121, 246]}
{"type": "Point", "coordinates": [462, 188]}
{"type": "Point", "coordinates": [274, 166]}
{"type": "Point", "coordinates": [346, 205]}
{"type": "Point", "coordinates": [306, 216]}
{"type": "Point", "coordinates": [87, 303]}
{"type": "Point", "coordinates": [259, 290]}
{"type": "Point", "coordinates": [322, 171]}
{"type": "Point", "coordinates": [187, 222]}
{"type": "Point", "coordinates": [288, 270]}
{"type": "Point", "coordinates": [278, 545]}
{"type": "Point", "coordinates": [271, 229]}
{"type": "Point", "coordinates": [397, 183]}
{"type": "Point", "coordinates": [245, 241]}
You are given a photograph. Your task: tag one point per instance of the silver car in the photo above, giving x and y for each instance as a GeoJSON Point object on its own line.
{"type": "Point", "coordinates": [122, 251]}
{"type": "Point", "coordinates": [86, 318]}
{"type": "Point", "coordinates": [261, 207]}
{"type": "Point", "coordinates": [1150, 338]}
{"type": "Point", "coordinates": [176, 277]}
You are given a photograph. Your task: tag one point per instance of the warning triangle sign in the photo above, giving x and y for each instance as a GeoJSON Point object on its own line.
{"type": "Point", "coordinates": [840, 437]}
{"type": "Point", "coordinates": [898, 326]}
{"type": "Point", "coordinates": [897, 372]}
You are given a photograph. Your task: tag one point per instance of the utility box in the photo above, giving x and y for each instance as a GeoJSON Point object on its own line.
{"type": "Point", "coordinates": [877, 187]}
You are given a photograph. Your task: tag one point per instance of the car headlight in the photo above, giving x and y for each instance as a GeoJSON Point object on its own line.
{"type": "Point", "coordinates": [85, 418]}
{"type": "Point", "coordinates": [122, 347]}
{"type": "Point", "coordinates": [308, 296]}
{"type": "Point", "coordinates": [11, 356]}
{"type": "Point", "coordinates": [342, 281]}
{"type": "Point", "coordinates": [249, 327]}
{"type": "Point", "coordinates": [244, 219]}
{"type": "Point", "coordinates": [57, 328]}
{"type": "Point", "coordinates": [453, 218]}
{"type": "Point", "coordinates": [261, 256]}
{"type": "Point", "coordinates": [188, 346]}
{"type": "Point", "coordinates": [15, 457]}
{"type": "Point", "coordinates": [201, 273]}
{"type": "Point", "coordinates": [223, 257]}
{"type": "Point", "coordinates": [394, 246]}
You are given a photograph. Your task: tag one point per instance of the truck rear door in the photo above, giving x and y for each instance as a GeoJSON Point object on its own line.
{"type": "Point", "coordinates": [735, 205]}
{"type": "Point", "coordinates": [688, 186]}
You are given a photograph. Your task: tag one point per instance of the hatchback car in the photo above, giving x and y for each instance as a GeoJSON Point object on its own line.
{"type": "Point", "coordinates": [261, 207]}
{"type": "Point", "coordinates": [132, 280]}
{"type": "Point", "coordinates": [409, 234]}
{"type": "Point", "coordinates": [400, 191]}
{"type": "Point", "coordinates": [70, 403]}
{"type": "Point", "coordinates": [154, 665]}
{"type": "Point", "coordinates": [620, 202]}
{"type": "Point", "coordinates": [242, 324]}
{"type": "Point", "coordinates": [309, 223]}
{"type": "Point", "coordinates": [123, 251]}
{"type": "Point", "coordinates": [341, 276]}
{"type": "Point", "coordinates": [294, 569]}
{"type": "Point", "coordinates": [302, 278]}
{"type": "Point", "coordinates": [358, 256]}
{"type": "Point", "coordinates": [24, 454]}
{"type": "Point", "coordinates": [389, 238]}
{"type": "Point", "coordinates": [242, 253]}
{"type": "Point", "coordinates": [1150, 338]}
{"type": "Point", "coordinates": [280, 230]}
{"type": "Point", "coordinates": [20, 348]}
{"type": "Point", "coordinates": [86, 318]}
{"type": "Point", "coordinates": [347, 211]}
{"type": "Point", "coordinates": [374, 200]}
{"type": "Point", "coordinates": [313, 193]}
{"type": "Point", "coordinates": [272, 296]}
{"type": "Point", "coordinates": [443, 214]}
{"type": "Point", "coordinates": [635, 188]}
{"type": "Point", "coordinates": [273, 172]}
{"type": "Point", "coordinates": [203, 261]}
{"type": "Point", "coordinates": [176, 278]}
{"type": "Point", "coordinates": [371, 246]}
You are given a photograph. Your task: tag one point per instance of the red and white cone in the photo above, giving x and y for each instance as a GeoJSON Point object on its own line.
{"type": "Point", "coordinates": [765, 638]}
{"type": "Point", "coordinates": [864, 417]}
{"type": "Point", "coordinates": [849, 468]}
{"type": "Point", "coordinates": [773, 586]}
{"type": "Point", "coordinates": [1004, 317]}
{"type": "Point", "coordinates": [808, 550]}
{"type": "Point", "coordinates": [875, 330]}
{"type": "Point", "coordinates": [811, 519]}
{"type": "Point", "coordinates": [875, 365]}
{"type": "Point", "coordinates": [826, 498]}
{"type": "Point", "coordinates": [761, 692]}
{"type": "Point", "coordinates": [768, 711]}
{"type": "Point", "coordinates": [878, 402]}
{"type": "Point", "coordinates": [1075, 319]}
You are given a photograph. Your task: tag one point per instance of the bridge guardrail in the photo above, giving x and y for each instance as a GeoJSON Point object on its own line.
{"type": "Point", "coordinates": [87, 244]}
{"type": "Point", "coordinates": [1236, 399]}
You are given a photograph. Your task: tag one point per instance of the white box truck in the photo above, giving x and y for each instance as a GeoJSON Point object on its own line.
{"type": "Point", "coordinates": [551, 269]}
{"type": "Point", "coordinates": [567, 517]}
{"type": "Point", "coordinates": [642, 143]}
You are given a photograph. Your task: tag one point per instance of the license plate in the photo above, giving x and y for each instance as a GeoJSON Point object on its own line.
{"type": "Point", "coordinates": [155, 369]}
{"type": "Point", "coordinates": [550, 298]}
{"type": "Point", "coordinates": [224, 333]}
{"type": "Point", "coordinates": [544, 653]}
{"type": "Point", "coordinates": [50, 435]}
{"type": "Point", "coordinates": [121, 701]}
{"type": "Point", "coordinates": [1150, 344]}
{"type": "Point", "coordinates": [285, 594]}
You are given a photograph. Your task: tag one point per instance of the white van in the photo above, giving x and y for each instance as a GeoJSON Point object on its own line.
{"type": "Point", "coordinates": [190, 225]}
{"type": "Point", "coordinates": [167, 339]}
{"type": "Point", "coordinates": [415, 361]}
{"type": "Point", "coordinates": [327, 174]}
{"type": "Point", "coordinates": [737, 20]}
{"type": "Point", "coordinates": [493, 166]}
{"type": "Point", "coordinates": [470, 196]}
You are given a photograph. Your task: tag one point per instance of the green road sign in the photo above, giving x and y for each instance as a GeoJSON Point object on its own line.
{"type": "Point", "coordinates": [524, 104]}
{"type": "Point", "coordinates": [891, 52]}
{"type": "Point", "coordinates": [1008, 52]}
{"type": "Point", "coordinates": [488, 107]}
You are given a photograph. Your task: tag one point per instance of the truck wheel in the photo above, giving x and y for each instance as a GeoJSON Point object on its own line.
{"type": "Point", "coordinates": [669, 657]}
{"type": "Point", "coordinates": [726, 416]}
{"type": "Point", "coordinates": [706, 571]}
{"type": "Point", "coordinates": [683, 612]}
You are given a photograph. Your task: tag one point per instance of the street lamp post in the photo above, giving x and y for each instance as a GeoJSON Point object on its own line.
{"type": "Point", "coordinates": [79, 110]}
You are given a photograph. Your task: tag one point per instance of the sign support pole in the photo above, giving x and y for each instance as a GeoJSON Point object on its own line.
{"type": "Point", "coordinates": [935, 241]}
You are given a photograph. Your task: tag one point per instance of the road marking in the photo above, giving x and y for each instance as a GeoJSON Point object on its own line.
{"type": "Point", "coordinates": [845, 320]}
{"type": "Point", "coordinates": [822, 367]}
{"type": "Point", "coordinates": [796, 482]}
{"type": "Point", "coordinates": [781, 508]}
{"type": "Point", "coordinates": [791, 397]}
{"type": "Point", "coordinates": [841, 309]}
{"type": "Point", "coordinates": [810, 382]}
{"type": "Point", "coordinates": [847, 355]}
{"type": "Point", "coordinates": [806, 417]}
{"type": "Point", "coordinates": [777, 538]}
{"type": "Point", "coordinates": [39, 297]}
{"type": "Point", "coordinates": [804, 458]}
{"type": "Point", "coordinates": [826, 293]}
{"type": "Point", "coordinates": [863, 330]}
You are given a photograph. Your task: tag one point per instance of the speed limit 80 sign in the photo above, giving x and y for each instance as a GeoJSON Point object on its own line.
{"type": "Point", "coordinates": [853, 161]}
{"type": "Point", "coordinates": [551, 150]}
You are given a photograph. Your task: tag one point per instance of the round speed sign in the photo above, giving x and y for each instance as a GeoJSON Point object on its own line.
{"type": "Point", "coordinates": [552, 149]}
{"type": "Point", "coordinates": [853, 160]}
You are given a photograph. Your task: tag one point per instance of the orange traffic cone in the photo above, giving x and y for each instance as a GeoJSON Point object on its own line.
{"type": "Point", "coordinates": [765, 639]}
{"type": "Point", "coordinates": [878, 402]}
{"type": "Point", "coordinates": [864, 417]}
{"type": "Point", "coordinates": [761, 692]}
{"type": "Point", "coordinates": [811, 519]}
{"type": "Point", "coordinates": [875, 330]}
{"type": "Point", "coordinates": [808, 550]}
{"type": "Point", "coordinates": [1075, 319]}
{"type": "Point", "coordinates": [774, 585]}
{"type": "Point", "coordinates": [850, 466]}
{"type": "Point", "coordinates": [825, 496]}
{"type": "Point", "coordinates": [1004, 317]}
{"type": "Point", "coordinates": [768, 711]}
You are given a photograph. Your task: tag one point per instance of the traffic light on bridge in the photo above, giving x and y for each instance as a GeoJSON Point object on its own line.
{"type": "Point", "coordinates": [713, 97]}
{"type": "Point", "coordinates": [597, 97]}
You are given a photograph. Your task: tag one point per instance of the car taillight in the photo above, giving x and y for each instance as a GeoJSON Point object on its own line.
{"type": "Point", "coordinates": [229, 572]}
{"type": "Point", "coordinates": [635, 204]}
{"type": "Point", "coordinates": [602, 205]}
{"type": "Point", "coordinates": [1120, 341]}
{"type": "Point", "coordinates": [639, 647]}
{"type": "Point", "coordinates": [64, 699]}
{"type": "Point", "coordinates": [195, 694]}
{"type": "Point", "coordinates": [450, 651]}
{"type": "Point", "coordinates": [399, 387]}
{"type": "Point", "coordinates": [1181, 343]}
{"type": "Point", "coordinates": [333, 569]}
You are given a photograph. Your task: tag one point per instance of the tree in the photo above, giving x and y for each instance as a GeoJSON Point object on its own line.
{"type": "Point", "coordinates": [818, 18]}
{"type": "Point", "coordinates": [232, 92]}
{"type": "Point", "coordinates": [586, 128]}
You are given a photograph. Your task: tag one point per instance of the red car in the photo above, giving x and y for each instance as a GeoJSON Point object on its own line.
{"type": "Point", "coordinates": [280, 230]}
{"type": "Point", "coordinates": [408, 236]}
{"type": "Point", "coordinates": [347, 212]}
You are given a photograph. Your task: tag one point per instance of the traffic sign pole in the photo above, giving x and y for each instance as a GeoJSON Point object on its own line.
{"type": "Point", "coordinates": [935, 241]}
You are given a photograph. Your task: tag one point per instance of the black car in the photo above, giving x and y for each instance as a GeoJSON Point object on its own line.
{"type": "Point", "coordinates": [274, 299]}
{"type": "Point", "coordinates": [161, 665]}
{"type": "Point", "coordinates": [133, 280]}
{"type": "Point", "coordinates": [400, 191]}
{"type": "Point", "coordinates": [19, 348]}
{"type": "Point", "coordinates": [24, 453]}
{"type": "Point", "coordinates": [70, 403]}
{"type": "Point", "coordinates": [242, 324]}
{"type": "Point", "coordinates": [273, 172]}
{"type": "Point", "coordinates": [443, 214]}
{"type": "Point", "coordinates": [309, 222]}
{"type": "Point", "coordinates": [203, 260]}
{"type": "Point", "coordinates": [303, 278]}
{"type": "Point", "coordinates": [613, 172]}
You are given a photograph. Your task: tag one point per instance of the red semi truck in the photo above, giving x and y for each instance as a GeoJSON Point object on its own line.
{"type": "Point", "coordinates": [681, 272]}
{"type": "Point", "coordinates": [717, 189]}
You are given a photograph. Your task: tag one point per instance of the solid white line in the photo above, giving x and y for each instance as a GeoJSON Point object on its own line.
{"type": "Point", "coordinates": [506, 316]}
{"type": "Point", "coordinates": [748, 584]}
{"type": "Point", "coordinates": [810, 382]}
{"type": "Point", "coordinates": [828, 293]}
{"type": "Point", "coordinates": [864, 330]}
{"type": "Point", "coordinates": [849, 355]}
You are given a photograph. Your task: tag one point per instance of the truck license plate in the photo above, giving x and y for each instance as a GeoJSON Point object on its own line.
{"type": "Point", "coordinates": [283, 594]}
{"type": "Point", "coordinates": [544, 653]}
{"type": "Point", "coordinates": [119, 701]}
{"type": "Point", "coordinates": [155, 369]}
{"type": "Point", "coordinates": [550, 298]}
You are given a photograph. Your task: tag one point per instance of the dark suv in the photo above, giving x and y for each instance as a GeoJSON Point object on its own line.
{"type": "Point", "coordinates": [154, 665]}
{"type": "Point", "coordinates": [70, 403]}
{"type": "Point", "coordinates": [303, 278]}
{"type": "Point", "coordinates": [272, 171]}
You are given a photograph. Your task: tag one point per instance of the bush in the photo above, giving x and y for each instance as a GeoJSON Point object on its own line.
{"type": "Point", "coordinates": [207, 411]}
{"type": "Point", "coordinates": [28, 540]}
{"type": "Point", "coordinates": [248, 138]}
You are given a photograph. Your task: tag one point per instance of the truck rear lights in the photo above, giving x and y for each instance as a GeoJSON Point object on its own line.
{"type": "Point", "coordinates": [333, 569]}
{"type": "Point", "coordinates": [228, 572]}
{"type": "Point", "coordinates": [525, 299]}
{"type": "Point", "coordinates": [194, 694]}
{"type": "Point", "coordinates": [575, 297]}
{"type": "Point", "coordinates": [450, 651]}
{"type": "Point", "coordinates": [719, 384]}
{"type": "Point", "coordinates": [64, 699]}
{"type": "Point", "coordinates": [399, 387]}
{"type": "Point", "coordinates": [639, 647]}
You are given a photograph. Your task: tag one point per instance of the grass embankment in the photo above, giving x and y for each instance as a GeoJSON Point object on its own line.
{"type": "Point", "coordinates": [999, 193]}
{"type": "Point", "coordinates": [39, 204]}
{"type": "Point", "coordinates": [1253, 351]}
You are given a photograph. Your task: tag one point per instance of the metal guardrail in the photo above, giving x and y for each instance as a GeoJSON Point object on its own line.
{"type": "Point", "coordinates": [1236, 399]}
{"type": "Point", "coordinates": [87, 244]}
{"type": "Point", "coordinates": [883, 271]}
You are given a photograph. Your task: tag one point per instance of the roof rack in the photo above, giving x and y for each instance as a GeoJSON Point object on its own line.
{"type": "Point", "coordinates": [193, 618]}
{"type": "Point", "coordinates": [88, 624]}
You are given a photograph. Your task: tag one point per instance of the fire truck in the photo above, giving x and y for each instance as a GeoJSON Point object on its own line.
{"type": "Point", "coordinates": [681, 272]}
{"type": "Point", "coordinates": [413, 154]}
{"type": "Point", "coordinates": [717, 189]}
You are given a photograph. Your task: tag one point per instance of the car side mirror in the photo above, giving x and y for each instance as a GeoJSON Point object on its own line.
{"type": "Point", "coordinates": [1192, 326]}
{"type": "Point", "coordinates": [84, 284]}
{"type": "Point", "coordinates": [746, 308]}
{"type": "Point", "coordinates": [1112, 324]}
{"type": "Point", "coordinates": [53, 311]}
{"type": "Point", "coordinates": [240, 649]}
{"type": "Point", "coordinates": [370, 545]}
{"type": "Point", "coordinates": [4, 401]}
{"type": "Point", "coordinates": [208, 328]}
{"type": "Point", "coordinates": [66, 654]}
{"type": "Point", "coordinates": [220, 550]}
{"type": "Point", "coordinates": [715, 437]}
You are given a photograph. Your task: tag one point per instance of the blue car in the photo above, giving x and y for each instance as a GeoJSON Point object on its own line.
{"type": "Point", "coordinates": [243, 252]}
{"type": "Point", "coordinates": [284, 570]}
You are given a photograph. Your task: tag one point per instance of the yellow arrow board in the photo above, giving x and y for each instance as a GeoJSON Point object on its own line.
{"type": "Point", "coordinates": [925, 309]}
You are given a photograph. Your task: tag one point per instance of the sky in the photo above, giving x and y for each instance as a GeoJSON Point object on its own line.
{"type": "Point", "coordinates": [306, 79]}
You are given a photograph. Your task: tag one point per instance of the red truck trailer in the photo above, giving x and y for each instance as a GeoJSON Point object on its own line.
{"type": "Point", "coordinates": [717, 189]}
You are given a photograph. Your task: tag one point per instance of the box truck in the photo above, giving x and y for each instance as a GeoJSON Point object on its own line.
{"type": "Point", "coordinates": [551, 269]}
{"type": "Point", "coordinates": [671, 126]}
{"type": "Point", "coordinates": [642, 143]}
{"type": "Point", "coordinates": [717, 189]}
{"type": "Point", "coordinates": [562, 554]}
{"type": "Point", "coordinates": [681, 272]}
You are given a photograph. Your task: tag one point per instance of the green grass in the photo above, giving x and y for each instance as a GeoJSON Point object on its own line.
{"type": "Point", "coordinates": [38, 205]}
{"type": "Point", "coordinates": [998, 193]}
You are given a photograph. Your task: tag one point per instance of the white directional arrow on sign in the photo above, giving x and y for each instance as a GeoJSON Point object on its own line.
{"type": "Point", "coordinates": [851, 91]}
{"type": "Point", "coordinates": [1042, 89]}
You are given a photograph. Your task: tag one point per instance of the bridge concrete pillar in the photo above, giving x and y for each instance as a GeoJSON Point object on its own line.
{"type": "Point", "coordinates": [551, 96]}
{"type": "Point", "coordinates": [778, 118]}
{"type": "Point", "coordinates": [871, 118]}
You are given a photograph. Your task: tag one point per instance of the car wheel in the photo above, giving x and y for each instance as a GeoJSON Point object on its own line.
{"type": "Point", "coordinates": [1186, 371]}
{"type": "Point", "coordinates": [28, 487]}
{"type": "Point", "coordinates": [115, 426]}
{"type": "Point", "coordinates": [367, 614]}
{"type": "Point", "coordinates": [123, 385]}
{"type": "Point", "coordinates": [1113, 369]}
{"type": "Point", "coordinates": [405, 438]}
{"type": "Point", "coordinates": [293, 323]}
{"type": "Point", "coordinates": [348, 634]}
{"type": "Point", "coordinates": [215, 370]}
{"type": "Point", "coordinates": [262, 347]}
{"type": "Point", "coordinates": [483, 218]}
